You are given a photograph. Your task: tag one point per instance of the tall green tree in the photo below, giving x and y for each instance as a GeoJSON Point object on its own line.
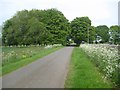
{"type": "Point", "coordinates": [8, 34]}
{"type": "Point", "coordinates": [103, 32]}
{"type": "Point", "coordinates": [92, 34]}
{"type": "Point", "coordinates": [15, 28]}
{"type": "Point", "coordinates": [80, 29]}
{"type": "Point", "coordinates": [58, 26]}
{"type": "Point", "coordinates": [115, 34]}
{"type": "Point", "coordinates": [36, 27]}
{"type": "Point", "coordinates": [35, 32]}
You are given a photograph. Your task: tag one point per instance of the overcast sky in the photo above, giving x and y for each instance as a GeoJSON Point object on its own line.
{"type": "Point", "coordinates": [101, 12]}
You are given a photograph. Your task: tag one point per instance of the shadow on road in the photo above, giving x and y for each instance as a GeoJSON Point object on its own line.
{"type": "Point", "coordinates": [72, 46]}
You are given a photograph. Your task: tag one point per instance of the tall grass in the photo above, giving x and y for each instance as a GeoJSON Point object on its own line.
{"type": "Point", "coordinates": [15, 54]}
{"type": "Point", "coordinates": [106, 59]}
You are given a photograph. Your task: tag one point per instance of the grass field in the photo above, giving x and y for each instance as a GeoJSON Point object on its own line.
{"type": "Point", "coordinates": [83, 73]}
{"type": "Point", "coordinates": [14, 57]}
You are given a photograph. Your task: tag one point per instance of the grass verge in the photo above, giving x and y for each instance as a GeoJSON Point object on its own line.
{"type": "Point", "coordinates": [13, 66]}
{"type": "Point", "coordinates": [83, 73]}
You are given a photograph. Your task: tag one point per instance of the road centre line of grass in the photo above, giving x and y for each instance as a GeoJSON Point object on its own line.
{"type": "Point", "coordinates": [83, 73]}
{"type": "Point", "coordinates": [14, 66]}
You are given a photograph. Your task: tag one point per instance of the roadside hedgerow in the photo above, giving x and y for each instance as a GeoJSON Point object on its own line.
{"type": "Point", "coordinates": [106, 59]}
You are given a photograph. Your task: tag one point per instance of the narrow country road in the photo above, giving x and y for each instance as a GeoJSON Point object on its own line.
{"type": "Point", "coordinates": [48, 72]}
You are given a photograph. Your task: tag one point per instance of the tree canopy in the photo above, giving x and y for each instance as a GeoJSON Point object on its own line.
{"type": "Point", "coordinates": [103, 32]}
{"type": "Point", "coordinates": [115, 34]}
{"type": "Point", "coordinates": [43, 27]}
{"type": "Point", "coordinates": [36, 27]}
{"type": "Point", "coordinates": [81, 30]}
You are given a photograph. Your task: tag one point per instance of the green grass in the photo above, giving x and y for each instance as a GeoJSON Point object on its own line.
{"type": "Point", "coordinates": [83, 73]}
{"type": "Point", "coordinates": [41, 52]}
{"type": "Point", "coordinates": [15, 54]}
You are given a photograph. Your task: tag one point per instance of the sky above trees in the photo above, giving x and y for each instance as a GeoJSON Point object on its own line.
{"type": "Point", "coordinates": [101, 12]}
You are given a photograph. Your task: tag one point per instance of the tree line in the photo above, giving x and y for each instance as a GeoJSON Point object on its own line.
{"type": "Point", "coordinates": [50, 26]}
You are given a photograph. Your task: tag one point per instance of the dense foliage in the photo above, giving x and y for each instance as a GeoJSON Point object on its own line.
{"type": "Point", "coordinates": [103, 32]}
{"type": "Point", "coordinates": [46, 27]}
{"type": "Point", "coordinates": [81, 30]}
{"type": "Point", "coordinates": [36, 27]}
{"type": "Point", "coordinates": [115, 34]}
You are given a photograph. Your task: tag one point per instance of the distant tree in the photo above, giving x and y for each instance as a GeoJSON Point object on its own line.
{"type": "Point", "coordinates": [115, 34]}
{"type": "Point", "coordinates": [80, 29]}
{"type": "Point", "coordinates": [103, 32]}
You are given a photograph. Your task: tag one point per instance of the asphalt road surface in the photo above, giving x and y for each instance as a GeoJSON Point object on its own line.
{"type": "Point", "coordinates": [48, 72]}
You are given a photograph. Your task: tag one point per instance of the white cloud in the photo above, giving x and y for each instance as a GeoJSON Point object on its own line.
{"type": "Point", "coordinates": [99, 11]}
